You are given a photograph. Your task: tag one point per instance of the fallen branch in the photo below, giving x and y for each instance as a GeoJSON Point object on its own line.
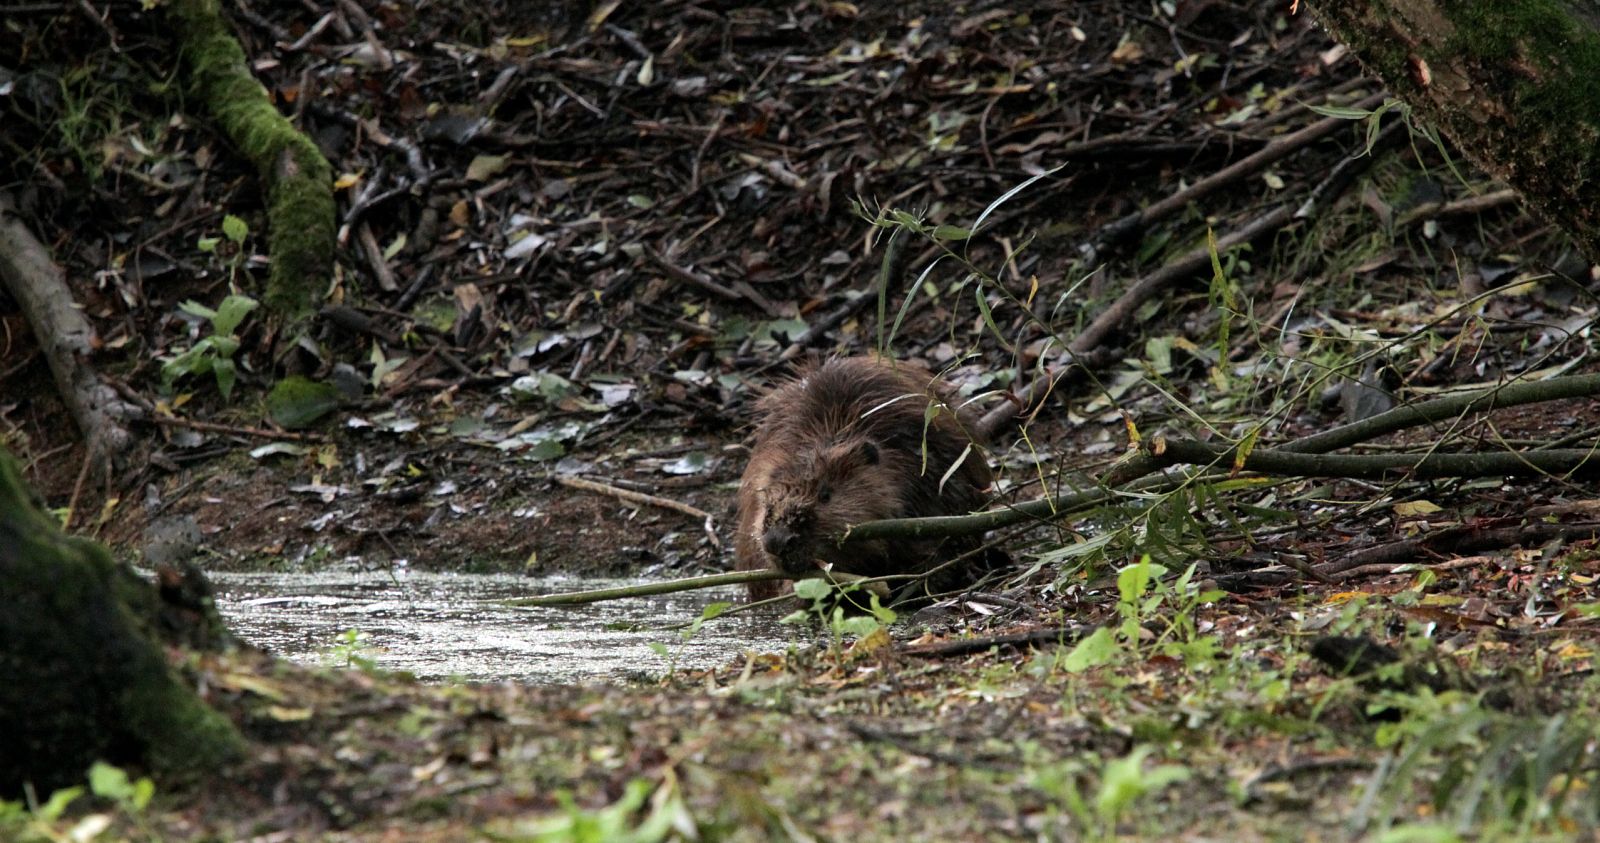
{"type": "Point", "coordinates": [632, 496]}
{"type": "Point", "coordinates": [966, 646]}
{"type": "Point", "coordinates": [1111, 320]}
{"type": "Point", "coordinates": [1450, 406]}
{"type": "Point", "coordinates": [597, 595]}
{"type": "Point", "coordinates": [1553, 461]}
{"type": "Point", "coordinates": [1135, 223]}
{"type": "Point", "coordinates": [65, 337]}
{"type": "Point", "coordinates": [1463, 538]}
{"type": "Point", "coordinates": [1468, 205]}
{"type": "Point", "coordinates": [646, 500]}
{"type": "Point", "coordinates": [1284, 463]}
{"type": "Point", "coordinates": [230, 430]}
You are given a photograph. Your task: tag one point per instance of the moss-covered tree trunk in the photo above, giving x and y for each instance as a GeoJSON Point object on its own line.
{"type": "Point", "coordinates": [82, 676]}
{"type": "Point", "coordinates": [296, 177]}
{"type": "Point", "coordinates": [1516, 86]}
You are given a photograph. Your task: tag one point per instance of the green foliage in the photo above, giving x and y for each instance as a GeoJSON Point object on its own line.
{"type": "Point", "coordinates": [351, 649]}
{"type": "Point", "coordinates": [627, 820]}
{"type": "Point", "coordinates": [710, 612]}
{"type": "Point", "coordinates": [234, 232]}
{"type": "Point", "coordinates": [1124, 785]}
{"type": "Point", "coordinates": [212, 354]}
{"type": "Point", "coordinates": [1484, 773]}
{"type": "Point", "coordinates": [24, 822]}
{"type": "Point", "coordinates": [840, 610]}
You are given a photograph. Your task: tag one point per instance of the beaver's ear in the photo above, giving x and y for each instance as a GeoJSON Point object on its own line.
{"type": "Point", "coordinates": [868, 451]}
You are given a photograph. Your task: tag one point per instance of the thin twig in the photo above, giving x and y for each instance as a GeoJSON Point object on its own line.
{"type": "Point", "coordinates": [632, 496]}
{"type": "Point", "coordinates": [212, 427]}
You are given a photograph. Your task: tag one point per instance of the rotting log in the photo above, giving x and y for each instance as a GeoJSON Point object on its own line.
{"type": "Point", "coordinates": [85, 675]}
{"type": "Point", "coordinates": [1515, 86]}
{"type": "Point", "coordinates": [297, 178]}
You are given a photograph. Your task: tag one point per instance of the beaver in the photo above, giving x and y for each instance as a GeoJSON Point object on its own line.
{"type": "Point", "coordinates": [849, 440]}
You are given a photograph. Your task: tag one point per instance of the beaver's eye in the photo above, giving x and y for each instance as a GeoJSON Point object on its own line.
{"type": "Point", "coordinates": [824, 495]}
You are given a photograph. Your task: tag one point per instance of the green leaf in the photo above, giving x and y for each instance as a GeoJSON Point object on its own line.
{"type": "Point", "coordinates": [296, 402]}
{"type": "Point", "coordinates": [109, 782]}
{"type": "Point", "coordinates": [222, 346]}
{"type": "Point", "coordinates": [223, 369]}
{"type": "Point", "coordinates": [207, 244]}
{"type": "Point", "coordinates": [546, 450]}
{"type": "Point", "coordinates": [859, 626]}
{"type": "Point", "coordinates": [1006, 197]}
{"type": "Point", "coordinates": [988, 318]}
{"type": "Point", "coordinates": [1125, 780]}
{"type": "Point", "coordinates": [1134, 579]}
{"type": "Point", "coordinates": [1420, 834]}
{"type": "Point", "coordinates": [52, 809]}
{"type": "Point", "coordinates": [1098, 649]}
{"type": "Point", "coordinates": [231, 313]}
{"type": "Point", "coordinates": [1341, 112]}
{"type": "Point", "coordinates": [394, 247]}
{"type": "Point", "coordinates": [951, 232]}
{"type": "Point", "coordinates": [812, 589]}
{"type": "Point", "coordinates": [235, 229]}
{"type": "Point", "coordinates": [194, 308]}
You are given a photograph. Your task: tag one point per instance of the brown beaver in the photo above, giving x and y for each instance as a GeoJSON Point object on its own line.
{"type": "Point", "coordinates": [847, 441]}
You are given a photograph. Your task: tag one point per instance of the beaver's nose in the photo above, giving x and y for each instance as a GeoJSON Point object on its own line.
{"type": "Point", "coordinates": [778, 540]}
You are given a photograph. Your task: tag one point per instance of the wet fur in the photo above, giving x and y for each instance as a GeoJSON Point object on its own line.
{"type": "Point", "coordinates": [843, 443]}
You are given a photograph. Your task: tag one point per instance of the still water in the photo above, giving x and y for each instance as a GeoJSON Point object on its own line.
{"type": "Point", "coordinates": [444, 626]}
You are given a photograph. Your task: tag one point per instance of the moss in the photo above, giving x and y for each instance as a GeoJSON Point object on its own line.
{"type": "Point", "coordinates": [83, 682]}
{"type": "Point", "coordinates": [1562, 78]}
{"type": "Point", "coordinates": [300, 181]}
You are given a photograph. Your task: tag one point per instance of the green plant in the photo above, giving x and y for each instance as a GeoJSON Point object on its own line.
{"type": "Point", "coordinates": [710, 612]}
{"type": "Point", "coordinates": [1484, 772]}
{"type": "Point", "coordinates": [213, 354]}
{"type": "Point", "coordinates": [48, 822]}
{"type": "Point", "coordinates": [1124, 783]}
{"type": "Point", "coordinates": [626, 820]}
{"type": "Point", "coordinates": [351, 649]}
{"type": "Point", "coordinates": [1170, 606]}
{"type": "Point", "coordinates": [234, 232]}
{"type": "Point", "coordinates": [839, 609]}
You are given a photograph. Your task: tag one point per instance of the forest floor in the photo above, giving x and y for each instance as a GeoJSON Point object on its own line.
{"type": "Point", "coordinates": [617, 219]}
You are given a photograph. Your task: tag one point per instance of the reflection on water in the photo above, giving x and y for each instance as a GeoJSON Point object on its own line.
{"type": "Point", "coordinates": [435, 626]}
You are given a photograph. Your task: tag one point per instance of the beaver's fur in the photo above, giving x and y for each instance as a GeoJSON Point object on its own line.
{"type": "Point", "coordinates": [846, 441]}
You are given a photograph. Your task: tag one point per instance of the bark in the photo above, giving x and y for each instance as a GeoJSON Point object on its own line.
{"type": "Point", "coordinates": [85, 676]}
{"type": "Point", "coordinates": [32, 277]}
{"type": "Point", "coordinates": [1515, 85]}
{"type": "Point", "coordinates": [298, 179]}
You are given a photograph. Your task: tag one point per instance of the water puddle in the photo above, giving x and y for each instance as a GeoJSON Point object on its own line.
{"type": "Point", "coordinates": [435, 626]}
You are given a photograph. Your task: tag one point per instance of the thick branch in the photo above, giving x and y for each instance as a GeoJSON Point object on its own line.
{"type": "Point", "coordinates": [1566, 461]}
{"type": "Point", "coordinates": [1439, 409]}
{"type": "Point", "coordinates": [64, 335]}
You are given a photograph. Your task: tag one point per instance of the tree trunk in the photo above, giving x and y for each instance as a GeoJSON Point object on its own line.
{"type": "Point", "coordinates": [85, 677]}
{"type": "Point", "coordinates": [1515, 85]}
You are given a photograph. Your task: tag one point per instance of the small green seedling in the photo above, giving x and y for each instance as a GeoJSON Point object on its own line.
{"type": "Point", "coordinates": [213, 354]}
